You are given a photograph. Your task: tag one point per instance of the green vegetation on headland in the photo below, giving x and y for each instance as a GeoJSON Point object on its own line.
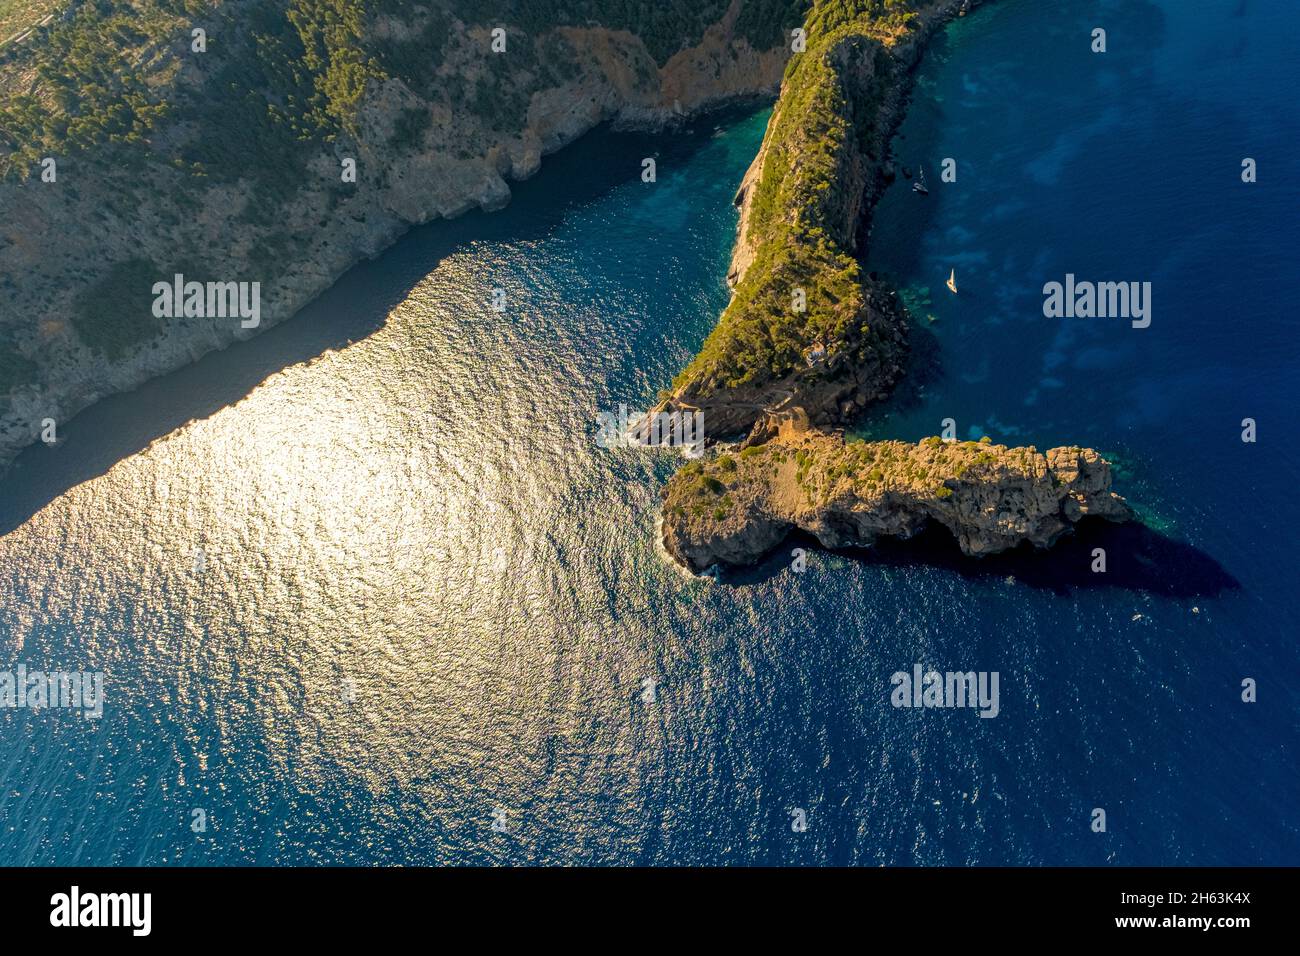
{"type": "Point", "coordinates": [19, 16]}
{"type": "Point", "coordinates": [802, 219]}
{"type": "Point", "coordinates": [274, 79]}
{"type": "Point", "coordinates": [826, 470]}
{"type": "Point", "coordinates": [85, 86]}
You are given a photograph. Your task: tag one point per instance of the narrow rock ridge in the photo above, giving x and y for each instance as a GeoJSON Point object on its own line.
{"type": "Point", "coordinates": [805, 210]}
{"type": "Point", "coordinates": [735, 508]}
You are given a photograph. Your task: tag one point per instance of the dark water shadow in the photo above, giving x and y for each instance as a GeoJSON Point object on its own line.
{"type": "Point", "coordinates": [1137, 559]}
{"type": "Point", "coordinates": [356, 306]}
{"type": "Point", "coordinates": [922, 371]}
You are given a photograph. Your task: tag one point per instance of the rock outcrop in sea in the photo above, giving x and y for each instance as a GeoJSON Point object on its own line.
{"type": "Point", "coordinates": [735, 508]}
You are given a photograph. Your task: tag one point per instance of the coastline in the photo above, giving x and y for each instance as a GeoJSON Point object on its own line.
{"type": "Point", "coordinates": [889, 118]}
{"type": "Point", "coordinates": [864, 341]}
{"type": "Point", "coordinates": [832, 342]}
{"type": "Point", "coordinates": [735, 509]}
{"type": "Point", "coordinates": [718, 72]}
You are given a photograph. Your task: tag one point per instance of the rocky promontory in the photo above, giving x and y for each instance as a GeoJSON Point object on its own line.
{"type": "Point", "coordinates": [735, 508]}
{"type": "Point", "coordinates": [808, 342]}
{"type": "Point", "coordinates": [806, 328]}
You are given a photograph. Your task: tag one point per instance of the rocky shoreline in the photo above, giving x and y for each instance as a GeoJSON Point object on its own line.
{"type": "Point", "coordinates": [856, 356]}
{"type": "Point", "coordinates": [57, 242]}
{"type": "Point", "coordinates": [794, 468]}
{"type": "Point", "coordinates": [736, 508]}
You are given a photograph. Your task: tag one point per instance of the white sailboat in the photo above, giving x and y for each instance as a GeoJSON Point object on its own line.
{"type": "Point", "coordinates": [952, 282]}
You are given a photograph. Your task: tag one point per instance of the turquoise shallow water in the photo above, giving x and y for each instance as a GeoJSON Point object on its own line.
{"type": "Point", "coordinates": [430, 602]}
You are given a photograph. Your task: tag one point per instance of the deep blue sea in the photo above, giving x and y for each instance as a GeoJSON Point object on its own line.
{"type": "Point", "coordinates": [365, 589]}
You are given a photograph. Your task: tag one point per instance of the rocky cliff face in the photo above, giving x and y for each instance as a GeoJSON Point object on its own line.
{"type": "Point", "coordinates": [734, 509]}
{"type": "Point", "coordinates": [805, 329]}
{"type": "Point", "coordinates": [440, 125]}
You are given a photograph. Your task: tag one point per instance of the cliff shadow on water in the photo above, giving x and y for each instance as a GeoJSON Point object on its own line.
{"type": "Point", "coordinates": [1138, 559]}
{"type": "Point", "coordinates": [923, 371]}
{"type": "Point", "coordinates": [353, 308]}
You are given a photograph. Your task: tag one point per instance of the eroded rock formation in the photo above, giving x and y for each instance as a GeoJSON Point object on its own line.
{"type": "Point", "coordinates": [735, 508]}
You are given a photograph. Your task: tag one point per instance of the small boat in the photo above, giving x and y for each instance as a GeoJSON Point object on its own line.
{"type": "Point", "coordinates": [919, 186]}
{"type": "Point", "coordinates": [952, 282]}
